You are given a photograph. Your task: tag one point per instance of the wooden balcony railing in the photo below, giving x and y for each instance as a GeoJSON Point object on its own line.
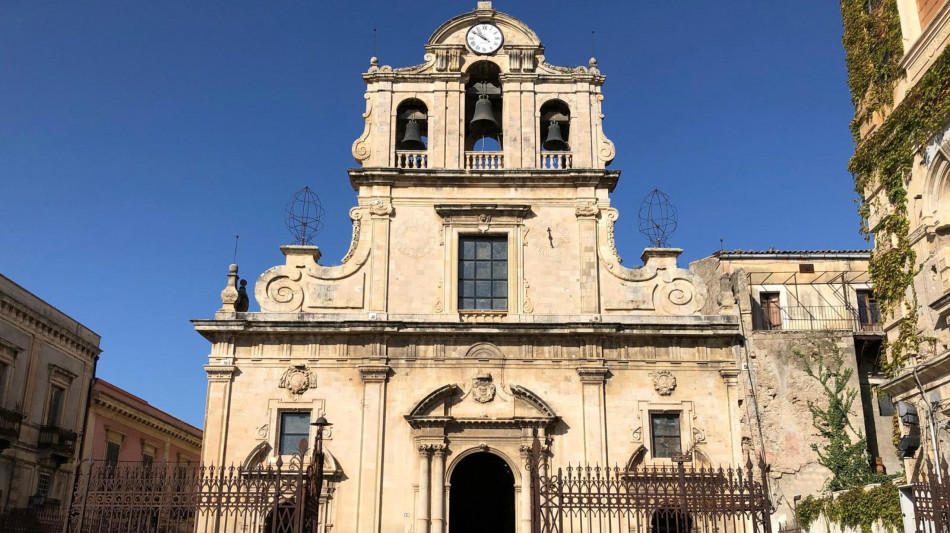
{"type": "Point", "coordinates": [10, 425]}
{"type": "Point", "coordinates": [58, 441]}
{"type": "Point", "coordinates": [412, 159]}
{"type": "Point", "coordinates": [484, 160]}
{"type": "Point", "coordinates": [556, 160]}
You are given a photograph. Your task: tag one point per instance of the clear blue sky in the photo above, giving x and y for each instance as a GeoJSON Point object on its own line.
{"type": "Point", "coordinates": [137, 138]}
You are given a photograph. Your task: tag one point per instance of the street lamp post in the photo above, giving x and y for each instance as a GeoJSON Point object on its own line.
{"type": "Point", "coordinates": [316, 478]}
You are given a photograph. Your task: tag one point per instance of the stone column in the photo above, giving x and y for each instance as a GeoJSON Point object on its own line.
{"type": "Point", "coordinates": [594, 426]}
{"type": "Point", "coordinates": [422, 503]}
{"type": "Point", "coordinates": [525, 501]}
{"type": "Point", "coordinates": [371, 448]}
{"type": "Point", "coordinates": [731, 378]}
{"type": "Point", "coordinates": [438, 489]}
{"type": "Point", "coordinates": [217, 413]}
{"type": "Point", "coordinates": [587, 211]}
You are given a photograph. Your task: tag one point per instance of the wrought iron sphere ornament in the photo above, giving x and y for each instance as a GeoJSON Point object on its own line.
{"type": "Point", "coordinates": [657, 218]}
{"type": "Point", "coordinates": [304, 215]}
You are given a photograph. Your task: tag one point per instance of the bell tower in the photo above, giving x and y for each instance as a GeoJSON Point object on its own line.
{"type": "Point", "coordinates": [485, 99]}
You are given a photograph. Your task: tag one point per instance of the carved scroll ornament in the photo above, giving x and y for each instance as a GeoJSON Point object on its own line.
{"type": "Point", "coordinates": [361, 147]}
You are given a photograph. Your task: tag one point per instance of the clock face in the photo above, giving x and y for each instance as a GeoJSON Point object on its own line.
{"type": "Point", "coordinates": [484, 38]}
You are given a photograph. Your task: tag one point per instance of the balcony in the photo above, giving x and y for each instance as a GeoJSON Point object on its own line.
{"type": "Point", "coordinates": [557, 160]}
{"type": "Point", "coordinates": [9, 427]}
{"type": "Point", "coordinates": [59, 442]}
{"type": "Point", "coordinates": [412, 159]}
{"type": "Point", "coordinates": [484, 160]}
{"type": "Point", "coordinates": [815, 318]}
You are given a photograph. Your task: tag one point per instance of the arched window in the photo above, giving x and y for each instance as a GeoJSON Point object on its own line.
{"type": "Point", "coordinates": [412, 125]}
{"type": "Point", "coordinates": [483, 108]}
{"type": "Point", "coordinates": [555, 126]}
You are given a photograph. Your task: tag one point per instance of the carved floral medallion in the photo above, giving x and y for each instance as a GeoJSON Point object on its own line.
{"type": "Point", "coordinates": [483, 390]}
{"type": "Point", "coordinates": [664, 382]}
{"type": "Point", "coordinates": [298, 379]}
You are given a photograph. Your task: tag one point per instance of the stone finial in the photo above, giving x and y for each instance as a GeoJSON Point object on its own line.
{"type": "Point", "coordinates": [592, 64]}
{"type": "Point", "coordinates": [230, 294]}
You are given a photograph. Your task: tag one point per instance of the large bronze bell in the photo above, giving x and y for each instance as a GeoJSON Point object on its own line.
{"type": "Point", "coordinates": [554, 141]}
{"type": "Point", "coordinates": [412, 140]}
{"type": "Point", "coordinates": [483, 120]}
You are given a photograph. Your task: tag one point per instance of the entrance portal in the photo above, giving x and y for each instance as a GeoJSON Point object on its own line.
{"type": "Point", "coordinates": [482, 496]}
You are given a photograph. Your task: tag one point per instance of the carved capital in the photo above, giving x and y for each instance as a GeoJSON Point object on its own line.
{"type": "Point", "coordinates": [439, 450]}
{"type": "Point", "coordinates": [380, 208]}
{"type": "Point", "coordinates": [586, 209]}
{"type": "Point", "coordinates": [425, 450]}
{"type": "Point", "coordinates": [374, 373]}
{"type": "Point", "coordinates": [730, 376]}
{"type": "Point", "coordinates": [220, 373]}
{"type": "Point", "coordinates": [593, 374]}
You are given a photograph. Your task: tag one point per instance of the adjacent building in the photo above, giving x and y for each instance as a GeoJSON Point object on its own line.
{"type": "Point", "coordinates": [47, 363]}
{"type": "Point", "coordinates": [898, 71]}
{"type": "Point", "coordinates": [123, 429]}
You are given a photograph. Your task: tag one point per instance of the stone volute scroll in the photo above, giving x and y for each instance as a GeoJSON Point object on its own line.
{"type": "Point", "coordinates": [304, 285]}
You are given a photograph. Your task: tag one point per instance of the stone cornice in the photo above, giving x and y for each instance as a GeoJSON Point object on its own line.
{"type": "Point", "coordinates": [933, 369]}
{"type": "Point", "coordinates": [110, 404]}
{"type": "Point", "coordinates": [593, 374]}
{"type": "Point", "coordinates": [32, 321]}
{"type": "Point", "coordinates": [374, 373]}
{"type": "Point", "coordinates": [526, 177]}
{"type": "Point", "coordinates": [220, 372]}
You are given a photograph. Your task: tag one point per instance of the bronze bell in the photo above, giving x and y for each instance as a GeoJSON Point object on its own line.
{"type": "Point", "coordinates": [554, 141]}
{"type": "Point", "coordinates": [483, 120]}
{"type": "Point", "coordinates": [412, 140]}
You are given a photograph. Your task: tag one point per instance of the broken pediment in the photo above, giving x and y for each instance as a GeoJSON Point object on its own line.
{"type": "Point", "coordinates": [483, 402]}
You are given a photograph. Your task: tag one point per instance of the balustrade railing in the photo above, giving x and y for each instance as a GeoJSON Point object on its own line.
{"type": "Point", "coordinates": [556, 160]}
{"type": "Point", "coordinates": [484, 160]}
{"type": "Point", "coordinates": [412, 159]}
{"type": "Point", "coordinates": [57, 440]}
{"type": "Point", "coordinates": [10, 424]}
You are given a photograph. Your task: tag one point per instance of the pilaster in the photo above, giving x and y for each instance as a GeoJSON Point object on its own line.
{"type": "Point", "coordinates": [594, 427]}
{"type": "Point", "coordinates": [372, 430]}
{"type": "Point", "coordinates": [217, 413]}
{"type": "Point", "coordinates": [730, 376]}
{"type": "Point", "coordinates": [587, 211]}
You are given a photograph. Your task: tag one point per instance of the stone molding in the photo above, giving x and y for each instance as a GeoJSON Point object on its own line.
{"type": "Point", "coordinates": [593, 374]}
{"type": "Point", "coordinates": [220, 373]}
{"type": "Point", "coordinates": [26, 318]}
{"type": "Point", "coordinates": [108, 403]}
{"type": "Point", "coordinates": [374, 373]}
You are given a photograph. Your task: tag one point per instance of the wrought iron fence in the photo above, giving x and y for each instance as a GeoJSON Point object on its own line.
{"type": "Point", "coordinates": [32, 520]}
{"type": "Point", "coordinates": [660, 499]}
{"type": "Point", "coordinates": [931, 499]}
{"type": "Point", "coordinates": [175, 498]}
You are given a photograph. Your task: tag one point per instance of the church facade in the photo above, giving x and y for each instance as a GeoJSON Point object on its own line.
{"type": "Point", "coordinates": [482, 304]}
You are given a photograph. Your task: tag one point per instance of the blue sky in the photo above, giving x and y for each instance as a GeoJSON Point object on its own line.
{"type": "Point", "coordinates": [137, 138]}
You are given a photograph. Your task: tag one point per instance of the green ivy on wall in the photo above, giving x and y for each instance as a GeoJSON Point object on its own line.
{"type": "Point", "coordinates": [856, 508]}
{"type": "Point", "coordinates": [873, 51]}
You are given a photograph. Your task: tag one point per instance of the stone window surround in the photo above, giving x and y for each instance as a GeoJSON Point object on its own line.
{"type": "Point", "coordinates": [316, 407]}
{"type": "Point", "coordinates": [683, 408]}
{"type": "Point", "coordinates": [488, 220]}
{"type": "Point", "coordinates": [8, 355]}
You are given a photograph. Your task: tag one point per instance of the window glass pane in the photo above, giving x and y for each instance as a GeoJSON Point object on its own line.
{"type": "Point", "coordinates": [112, 454]}
{"type": "Point", "coordinates": [499, 289]}
{"type": "Point", "coordinates": [293, 428]}
{"type": "Point", "coordinates": [500, 304]}
{"type": "Point", "coordinates": [500, 249]}
{"type": "Point", "coordinates": [55, 404]}
{"type": "Point", "coordinates": [483, 289]}
{"type": "Point", "coordinates": [468, 289]}
{"type": "Point", "coordinates": [468, 269]}
{"type": "Point", "coordinates": [483, 270]}
{"type": "Point", "coordinates": [483, 250]}
{"type": "Point", "coordinates": [483, 303]}
{"type": "Point", "coordinates": [666, 434]}
{"type": "Point", "coordinates": [468, 249]}
{"type": "Point", "coordinates": [499, 270]}
{"type": "Point", "coordinates": [467, 303]}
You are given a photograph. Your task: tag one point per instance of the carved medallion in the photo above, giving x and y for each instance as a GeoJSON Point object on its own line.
{"type": "Point", "coordinates": [483, 390]}
{"type": "Point", "coordinates": [415, 238]}
{"type": "Point", "coordinates": [298, 379]}
{"type": "Point", "coordinates": [664, 382]}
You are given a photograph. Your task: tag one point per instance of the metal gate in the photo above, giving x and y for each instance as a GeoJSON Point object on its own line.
{"type": "Point", "coordinates": [932, 498]}
{"type": "Point", "coordinates": [661, 499]}
{"type": "Point", "coordinates": [282, 498]}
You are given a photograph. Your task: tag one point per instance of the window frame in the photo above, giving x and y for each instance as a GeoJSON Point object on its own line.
{"type": "Point", "coordinates": [492, 239]}
{"type": "Point", "coordinates": [51, 419]}
{"type": "Point", "coordinates": [280, 429]}
{"type": "Point", "coordinates": [653, 432]}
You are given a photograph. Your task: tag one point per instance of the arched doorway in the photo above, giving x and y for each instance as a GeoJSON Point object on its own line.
{"type": "Point", "coordinates": [482, 495]}
{"type": "Point", "coordinates": [670, 521]}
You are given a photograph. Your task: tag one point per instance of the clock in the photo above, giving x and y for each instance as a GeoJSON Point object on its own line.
{"type": "Point", "coordinates": [484, 38]}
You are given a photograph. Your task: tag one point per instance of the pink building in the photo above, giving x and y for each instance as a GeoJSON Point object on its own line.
{"type": "Point", "coordinates": [123, 428]}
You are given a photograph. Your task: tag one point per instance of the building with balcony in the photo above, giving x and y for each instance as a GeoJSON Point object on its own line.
{"type": "Point", "coordinates": [124, 429]}
{"type": "Point", "coordinates": [47, 363]}
{"type": "Point", "coordinates": [801, 301]}
{"type": "Point", "coordinates": [902, 166]}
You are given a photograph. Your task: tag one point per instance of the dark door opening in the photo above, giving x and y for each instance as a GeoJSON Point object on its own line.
{"type": "Point", "coordinates": [670, 521]}
{"type": "Point", "coordinates": [482, 496]}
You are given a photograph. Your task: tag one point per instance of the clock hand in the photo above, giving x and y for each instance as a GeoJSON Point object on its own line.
{"type": "Point", "coordinates": [479, 33]}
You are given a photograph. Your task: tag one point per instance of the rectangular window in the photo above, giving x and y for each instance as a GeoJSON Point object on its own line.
{"type": "Point", "coordinates": [4, 369]}
{"type": "Point", "coordinates": [55, 405]}
{"type": "Point", "coordinates": [147, 461]}
{"type": "Point", "coordinates": [868, 312]}
{"type": "Point", "coordinates": [483, 273]}
{"type": "Point", "coordinates": [666, 434]}
{"type": "Point", "coordinates": [112, 454]}
{"type": "Point", "coordinates": [771, 310]}
{"type": "Point", "coordinates": [293, 427]}
{"type": "Point", "coordinates": [42, 484]}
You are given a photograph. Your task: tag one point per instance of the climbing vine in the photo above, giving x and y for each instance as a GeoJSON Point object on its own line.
{"type": "Point", "coordinates": [856, 508]}
{"type": "Point", "coordinates": [885, 157]}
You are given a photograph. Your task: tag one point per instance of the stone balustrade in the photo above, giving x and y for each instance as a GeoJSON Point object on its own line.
{"type": "Point", "coordinates": [556, 160]}
{"type": "Point", "coordinates": [484, 160]}
{"type": "Point", "coordinates": [412, 159]}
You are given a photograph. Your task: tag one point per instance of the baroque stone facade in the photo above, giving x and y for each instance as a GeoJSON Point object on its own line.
{"type": "Point", "coordinates": [482, 303]}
